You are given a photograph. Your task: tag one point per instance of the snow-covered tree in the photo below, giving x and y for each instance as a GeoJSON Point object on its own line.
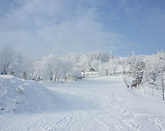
{"type": "Point", "coordinates": [132, 61]}
{"type": "Point", "coordinates": [37, 70]}
{"type": "Point", "coordinates": [114, 63]}
{"type": "Point", "coordinates": [24, 68]}
{"type": "Point", "coordinates": [124, 61]}
{"type": "Point", "coordinates": [9, 60]}
{"type": "Point", "coordinates": [155, 68]}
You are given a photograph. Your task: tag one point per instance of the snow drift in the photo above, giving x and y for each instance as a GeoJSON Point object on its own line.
{"type": "Point", "coordinates": [18, 96]}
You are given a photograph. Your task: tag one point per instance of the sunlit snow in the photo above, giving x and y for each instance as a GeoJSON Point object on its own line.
{"type": "Point", "coordinates": [100, 103]}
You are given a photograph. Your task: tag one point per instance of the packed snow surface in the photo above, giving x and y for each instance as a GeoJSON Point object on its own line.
{"type": "Point", "coordinates": [92, 104]}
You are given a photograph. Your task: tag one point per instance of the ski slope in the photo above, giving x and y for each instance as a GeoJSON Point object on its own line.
{"type": "Point", "coordinates": [92, 104]}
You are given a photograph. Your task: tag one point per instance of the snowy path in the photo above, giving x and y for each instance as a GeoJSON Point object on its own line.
{"type": "Point", "coordinates": [95, 104]}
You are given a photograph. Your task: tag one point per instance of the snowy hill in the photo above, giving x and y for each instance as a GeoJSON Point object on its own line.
{"type": "Point", "coordinates": [102, 103]}
{"type": "Point", "coordinates": [18, 96]}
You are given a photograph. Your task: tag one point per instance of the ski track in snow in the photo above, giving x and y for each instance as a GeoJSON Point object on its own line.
{"type": "Point", "coordinates": [111, 106]}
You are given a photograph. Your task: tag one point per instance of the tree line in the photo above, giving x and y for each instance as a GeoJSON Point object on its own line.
{"type": "Point", "coordinates": [144, 68]}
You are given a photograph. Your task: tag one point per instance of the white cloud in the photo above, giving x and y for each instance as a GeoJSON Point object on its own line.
{"type": "Point", "coordinates": [55, 26]}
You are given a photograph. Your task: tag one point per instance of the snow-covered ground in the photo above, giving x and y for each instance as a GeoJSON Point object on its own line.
{"type": "Point", "coordinates": [20, 96]}
{"type": "Point", "coordinates": [92, 104]}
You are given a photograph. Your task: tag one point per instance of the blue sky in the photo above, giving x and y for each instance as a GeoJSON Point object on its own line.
{"type": "Point", "coordinates": [43, 27]}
